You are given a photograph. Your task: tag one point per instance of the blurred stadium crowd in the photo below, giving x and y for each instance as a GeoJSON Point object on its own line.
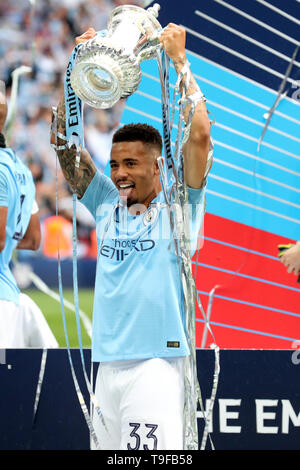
{"type": "Point", "coordinates": [40, 34]}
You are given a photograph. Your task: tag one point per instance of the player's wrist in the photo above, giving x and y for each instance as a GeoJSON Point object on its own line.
{"type": "Point", "coordinates": [179, 61]}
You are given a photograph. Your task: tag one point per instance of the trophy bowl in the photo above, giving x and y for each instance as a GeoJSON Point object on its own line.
{"type": "Point", "coordinates": [107, 68]}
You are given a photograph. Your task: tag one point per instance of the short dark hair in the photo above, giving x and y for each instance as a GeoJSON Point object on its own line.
{"type": "Point", "coordinates": [138, 132]}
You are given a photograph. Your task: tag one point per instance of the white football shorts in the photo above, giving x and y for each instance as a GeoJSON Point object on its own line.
{"type": "Point", "coordinates": [142, 405]}
{"type": "Point", "coordinates": [24, 325]}
{"type": "Point", "coordinates": [11, 325]}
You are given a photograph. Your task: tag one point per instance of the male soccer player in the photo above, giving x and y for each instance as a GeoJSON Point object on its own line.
{"type": "Point", "coordinates": [139, 335]}
{"type": "Point", "coordinates": [21, 322]}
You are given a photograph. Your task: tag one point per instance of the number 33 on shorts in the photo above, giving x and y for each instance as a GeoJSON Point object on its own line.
{"type": "Point", "coordinates": [142, 436]}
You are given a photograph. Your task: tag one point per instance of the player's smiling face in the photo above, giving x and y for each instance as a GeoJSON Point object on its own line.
{"type": "Point", "coordinates": [134, 171]}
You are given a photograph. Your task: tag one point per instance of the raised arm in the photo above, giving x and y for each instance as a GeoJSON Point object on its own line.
{"type": "Point", "coordinates": [80, 179]}
{"type": "Point", "coordinates": [195, 150]}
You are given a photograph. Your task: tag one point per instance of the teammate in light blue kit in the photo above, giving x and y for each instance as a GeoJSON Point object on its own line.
{"type": "Point", "coordinates": [139, 320]}
{"type": "Point", "coordinates": [21, 322]}
{"type": "Point", "coordinates": [17, 195]}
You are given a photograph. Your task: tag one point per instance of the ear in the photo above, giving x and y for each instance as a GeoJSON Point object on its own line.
{"type": "Point", "coordinates": [157, 171]}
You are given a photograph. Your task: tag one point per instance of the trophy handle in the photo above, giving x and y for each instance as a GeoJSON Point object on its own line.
{"type": "Point", "coordinates": [154, 10]}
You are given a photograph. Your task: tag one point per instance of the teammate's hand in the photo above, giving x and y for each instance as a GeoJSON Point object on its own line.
{"type": "Point", "coordinates": [291, 259]}
{"type": "Point", "coordinates": [89, 34]}
{"type": "Point", "coordinates": [173, 40]}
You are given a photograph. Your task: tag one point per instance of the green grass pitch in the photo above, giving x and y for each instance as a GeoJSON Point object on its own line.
{"type": "Point", "coordinates": [52, 311]}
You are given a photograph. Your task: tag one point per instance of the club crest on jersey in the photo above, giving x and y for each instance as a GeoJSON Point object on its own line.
{"type": "Point", "coordinates": [150, 216]}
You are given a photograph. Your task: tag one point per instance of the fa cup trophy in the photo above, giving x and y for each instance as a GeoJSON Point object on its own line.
{"type": "Point", "coordinates": [108, 68]}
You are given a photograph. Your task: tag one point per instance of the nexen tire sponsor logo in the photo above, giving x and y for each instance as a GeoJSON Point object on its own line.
{"type": "Point", "coordinates": [122, 248]}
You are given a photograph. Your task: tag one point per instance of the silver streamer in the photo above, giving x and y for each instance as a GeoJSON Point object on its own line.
{"type": "Point", "coordinates": [40, 383]}
{"type": "Point", "coordinates": [280, 95]}
{"type": "Point", "coordinates": [206, 326]}
{"type": "Point", "coordinates": [178, 196]}
{"type": "Point", "coordinates": [13, 104]}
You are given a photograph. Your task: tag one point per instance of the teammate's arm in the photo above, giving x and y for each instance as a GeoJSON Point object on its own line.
{"type": "Point", "coordinates": [195, 150]}
{"type": "Point", "coordinates": [32, 237]}
{"type": "Point", "coordinates": [3, 219]}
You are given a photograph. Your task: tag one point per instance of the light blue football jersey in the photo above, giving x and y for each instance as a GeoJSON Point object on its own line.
{"type": "Point", "coordinates": [138, 303]}
{"type": "Point", "coordinates": [17, 192]}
